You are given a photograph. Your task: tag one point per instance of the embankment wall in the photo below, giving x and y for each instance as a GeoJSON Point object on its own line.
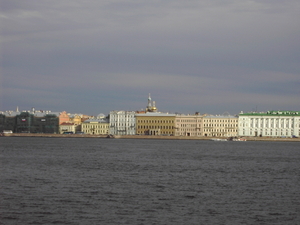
{"type": "Point", "coordinates": [141, 137]}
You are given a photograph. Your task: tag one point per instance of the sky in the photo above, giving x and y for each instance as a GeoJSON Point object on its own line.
{"type": "Point", "coordinates": [208, 56]}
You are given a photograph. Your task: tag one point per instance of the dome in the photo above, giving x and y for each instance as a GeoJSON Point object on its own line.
{"type": "Point", "coordinates": [101, 115]}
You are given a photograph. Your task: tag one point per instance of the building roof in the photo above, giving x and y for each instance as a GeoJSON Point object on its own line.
{"type": "Point", "coordinates": [102, 120]}
{"type": "Point", "coordinates": [35, 113]}
{"type": "Point", "coordinates": [155, 114]}
{"type": "Point", "coordinates": [101, 115]}
{"type": "Point", "coordinates": [271, 113]}
{"type": "Point", "coordinates": [67, 124]}
{"type": "Point", "coordinates": [220, 116]}
{"type": "Point", "coordinates": [42, 114]}
{"type": "Point", "coordinates": [11, 113]}
{"type": "Point", "coordinates": [121, 111]}
{"type": "Point", "coordinates": [189, 115]}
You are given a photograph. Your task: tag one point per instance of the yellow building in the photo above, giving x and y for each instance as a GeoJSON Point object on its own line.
{"type": "Point", "coordinates": [155, 123]}
{"type": "Point", "coordinates": [220, 126]}
{"type": "Point", "coordinates": [76, 119]}
{"type": "Point", "coordinates": [95, 126]}
{"type": "Point", "coordinates": [68, 127]}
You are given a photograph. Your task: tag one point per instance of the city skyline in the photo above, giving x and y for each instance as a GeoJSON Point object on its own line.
{"type": "Point", "coordinates": [95, 57]}
{"type": "Point", "coordinates": [42, 112]}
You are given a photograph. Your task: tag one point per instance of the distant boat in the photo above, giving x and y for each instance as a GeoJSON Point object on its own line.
{"type": "Point", "coordinates": [239, 139]}
{"type": "Point", "coordinates": [229, 139]}
{"type": "Point", "coordinates": [218, 139]}
{"type": "Point", "coordinates": [236, 139]}
{"type": "Point", "coordinates": [110, 136]}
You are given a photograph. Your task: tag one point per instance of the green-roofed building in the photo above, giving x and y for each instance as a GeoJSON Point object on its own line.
{"type": "Point", "coordinates": [270, 124]}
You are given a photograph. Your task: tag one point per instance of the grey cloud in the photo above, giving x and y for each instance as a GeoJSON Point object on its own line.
{"type": "Point", "coordinates": [222, 51]}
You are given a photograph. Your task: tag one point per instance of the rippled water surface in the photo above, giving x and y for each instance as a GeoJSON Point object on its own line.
{"type": "Point", "coordinates": [122, 181]}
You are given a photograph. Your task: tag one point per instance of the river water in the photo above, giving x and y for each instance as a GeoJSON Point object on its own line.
{"type": "Point", "coordinates": [134, 181]}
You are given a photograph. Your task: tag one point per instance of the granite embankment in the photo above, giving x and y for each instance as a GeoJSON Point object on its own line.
{"type": "Point", "coordinates": [140, 137]}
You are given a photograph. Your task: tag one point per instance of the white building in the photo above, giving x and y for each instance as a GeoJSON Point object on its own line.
{"type": "Point", "coordinates": [271, 124]}
{"type": "Point", "coordinates": [122, 123]}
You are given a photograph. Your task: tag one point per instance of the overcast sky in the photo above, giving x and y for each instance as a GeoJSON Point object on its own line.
{"type": "Point", "coordinates": [91, 57]}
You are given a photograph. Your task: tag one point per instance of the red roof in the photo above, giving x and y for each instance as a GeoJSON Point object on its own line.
{"type": "Point", "coordinates": [66, 123]}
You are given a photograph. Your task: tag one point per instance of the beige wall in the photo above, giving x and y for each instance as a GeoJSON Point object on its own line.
{"type": "Point", "coordinates": [188, 125]}
{"type": "Point", "coordinates": [218, 126]}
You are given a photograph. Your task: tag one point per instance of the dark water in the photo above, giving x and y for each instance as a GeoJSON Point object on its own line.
{"type": "Point", "coordinates": [115, 181]}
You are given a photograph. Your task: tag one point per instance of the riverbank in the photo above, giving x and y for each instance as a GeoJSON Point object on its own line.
{"type": "Point", "coordinates": [141, 137]}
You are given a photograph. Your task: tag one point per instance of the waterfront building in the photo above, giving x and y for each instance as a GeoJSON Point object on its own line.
{"type": "Point", "coordinates": [39, 121]}
{"type": "Point", "coordinates": [63, 117]}
{"type": "Point", "coordinates": [69, 127]}
{"type": "Point", "coordinates": [75, 118]}
{"type": "Point", "coordinates": [98, 125]}
{"type": "Point", "coordinates": [43, 123]}
{"type": "Point", "coordinates": [8, 120]}
{"type": "Point", "coordinates": [220, 126]}
{"type": "Point", "coordinates": [29, 121]}
{"type": "Point", "coordinates": [151, 122]}
{"type": "Point", "coordinates": [188, 125]}
{"type": "Point", "coordinates": [122, 122]}
{"type": "Point", "coordinates": [155, 123]}
{"type": "Point", "coordinates": [271, 124]}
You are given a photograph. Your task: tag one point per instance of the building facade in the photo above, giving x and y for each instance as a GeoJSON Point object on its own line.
{"type": "Point", "coordinates": [68, 127]}
{"type": "Point", "coordinates": [63, 117]}
{"type": "Point", "coordinates": [188, 125]}
{"type": "Point", "coordinates": [220, 126]}
{"type": "Point", "coordinates": [98, 126]}
{"type": "Point", "coordinates": [155, 123]}
{"type": "Point", "coordinates": [8, 121]}
{"type": "Point", "coordinates": [270, 124]}
{"type": "Point", "coordinates": [30, 121]}
{"type": "Point", "coordinates": [76, 118]}
{"type": "Point", "coordinates": [122, 122]}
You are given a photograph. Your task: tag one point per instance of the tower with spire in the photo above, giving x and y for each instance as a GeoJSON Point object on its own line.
{"type": "Point", "coordinates": [151, 105]}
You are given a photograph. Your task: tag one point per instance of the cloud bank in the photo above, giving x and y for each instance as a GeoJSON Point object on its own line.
{"type": "Point", "coordinates": [207, 56]}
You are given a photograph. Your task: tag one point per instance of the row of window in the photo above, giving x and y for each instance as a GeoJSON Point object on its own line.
{"type": "Point", "coordinates": [152, 132]}
{"type": "Point", "coordinates": [188, 121]}
{"type": "Point", "coordinates": [123, 125]}
{"type": "Point", "coordinates": [155, 121]}
{"type": "Point", "coordinates": [220, 121]}
{"type": "Point", "coordinates": [220, 125]}
{"type": "Point", "coordinates": [123, 119]}
{"type": "Point", "coordinates": [154, 127]}
{"type": "Point", "coordinates": [271, 125]}
{"type": "Point", "coordinates": [96, 131]}
{"type": "Point", "coordinates": [188, 125]}
{"type": "Point", "coordinates": [94, 126]}
{"type": "Point", "coordinates": [271, 133]}
{"type": "Point", "coordinates": [220, 130]}
{"type": "Point", "coordinates": [272, 119]}
{"type": "Point", "coordinates": [192, 129]}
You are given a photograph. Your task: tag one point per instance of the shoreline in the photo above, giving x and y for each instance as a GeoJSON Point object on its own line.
{"type": "Point", "coordinates": [144, 137]}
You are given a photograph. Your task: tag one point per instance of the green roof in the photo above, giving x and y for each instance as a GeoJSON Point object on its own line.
{"type": "Point", "coordinates": [272, 113]}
